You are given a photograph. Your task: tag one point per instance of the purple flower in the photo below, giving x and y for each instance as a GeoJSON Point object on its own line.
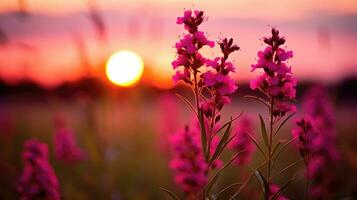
{"type": "Point", "coordinates": [276, 81]}
{"type": "Point", "coordinates": [305, 134]}
{"type": "Point", "coordinates": [202, 40]}
{"type": "Point", "coordinates": [188, 163]}
{"type": "Point", "coordinates": [66, 147]}
{"type": "Point", "coordinates": [242, 142]}
{"type": "Point", "coordinates": [38, 179]}
{"type": "Point", "coordinates": [317, 143]}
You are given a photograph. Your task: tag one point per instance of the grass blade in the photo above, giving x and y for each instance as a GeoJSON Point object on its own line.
{"type": "Point", "coordinates": [215, 177]}
{"type": "Point", "coordinates": [226, 124]}
{"type": "Point", "coordinates": [257, 99]}
{"type": "Point", "coordinates": [263, 183]}
{"type": "Point", "coordinates": [171, 194]}
{"type": "Point", "coordinates": [264, 131]}
{"type": "Point", "coordinates": [226, 188]}
{"type": "Point", "coordinates": [222, 144]}
{"type": "Point", "coordinates": [257, 145]}
{"type": "Point", "coordinates": [187, 102]}
{"type": "Point", "coordinates": [282, 123]}
{"type": "Point", "coordinates": [282, 148]}
{"type": "Point", "coordinates": [203, 135]}
{"type": "Point", "coordinates": [278, 193]}
{"type": "Point", "coordinates": [287, 167]}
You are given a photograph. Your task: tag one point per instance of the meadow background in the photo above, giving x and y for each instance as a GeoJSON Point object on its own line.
{"type": "Point", "coordinates": [52, 60]}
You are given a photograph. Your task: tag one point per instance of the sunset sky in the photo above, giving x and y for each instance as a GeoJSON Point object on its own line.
{"type": "Point", "coordinates": [55, 40]}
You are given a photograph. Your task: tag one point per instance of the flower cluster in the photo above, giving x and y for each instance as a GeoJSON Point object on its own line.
{"type": "Point", "coordinates": [273, 189]}
{"type": "Point", "coordinates": [188, 163]}
{"type": "Point", "coordinates": [218, 81]}
{"type": "Point", "coordinates": [242, 142]}
{"type": "Point", "coordinates": [38, 179]}
{"type": "Point", "coordinates": [189, 59]}
{"type": "Point", "coordinates": [210, 79]}
{"type": "Point", "coordinates": [66, 147]}
{"type": "Point", "coordinates": [277, 81]}
{"type": "Point", "coordinates": [322, 164]}
{"type": "Point", "coordinates": [316, 134]}
{"type": "Point", "coordinates": [306, 135]}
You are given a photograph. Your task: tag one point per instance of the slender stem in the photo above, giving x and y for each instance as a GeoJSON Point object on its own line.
{"type": "Point", "coordinates": [306, 187]}
{"type": "Point", "coordinates": [196, 92]}
{"type": "Point", "coordinates": [306, 192]}
{"type": "Point", "coordinates": [270, 142]}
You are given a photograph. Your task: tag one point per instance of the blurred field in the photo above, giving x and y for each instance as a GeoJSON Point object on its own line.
{"type": "Point", "coordinates": [126, 155]}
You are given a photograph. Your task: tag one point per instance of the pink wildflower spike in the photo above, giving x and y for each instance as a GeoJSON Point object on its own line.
{"type": "Point", "coordinates": [276, 81]}
{"type": "Point", "coordinates": [242, 142]}
{"type": "Point", "coordinates": [324, 159]}
{"type": "Point", "coordinates": [188, 164]}
{"type": "Point", "coordinates": [66, 147]}
{"type": "Point", "coordinates": [202, 40]}
{"type": "Point", "coordinates": [213, 63]}
{"type": "Point", "coordinates": [305, 134]}
{"type": "Point", "coordinates": [38, 179]}
{"type": "Point", "coordinates": [187, 158]}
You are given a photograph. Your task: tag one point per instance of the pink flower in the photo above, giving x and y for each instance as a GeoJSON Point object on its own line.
{"type": "Point", "coordinates": [186, 44]}
{"type": "Point", "coordinates": [213, 63]}
{"type": "Point", "coordinates": [226, 86]}
{"type": "Point", "coordinates": [276, 80]}
{"type": "Point", "coordinates": [191, 22]}
{"type": "Point", "coordinates": [38, 179]}
{"type": "Point", "coordinates": [305, 135]}
{"type": "Point", "coordinates": [180, 61]}
{"type": "Point", "coordinates": [318, 143]}
{"type": "Point", "coordinates": [66, 147]}
{"type": "Point", "coordinates": [186, 17]}
{"type": "Point", "coordinates": [182, 75]}
{"type": "Point", "coordinates": [188, 164]}
{"type": "Point", "coordinates": [202, 40]}
{"type": "Point", "coordinates": [242, 142]}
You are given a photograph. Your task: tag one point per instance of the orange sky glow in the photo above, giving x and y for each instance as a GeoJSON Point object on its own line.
{"type": "Point", "coordinates": [57, 41]}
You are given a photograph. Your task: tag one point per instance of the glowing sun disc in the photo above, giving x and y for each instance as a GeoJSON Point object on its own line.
{"type": "Point", "coordinates": [124, 68]}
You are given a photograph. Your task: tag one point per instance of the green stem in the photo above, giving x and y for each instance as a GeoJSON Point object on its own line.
{"type": "Point", "coordinates": [270, 144]}
{"type": "Point", "coordinates": [306, 187]}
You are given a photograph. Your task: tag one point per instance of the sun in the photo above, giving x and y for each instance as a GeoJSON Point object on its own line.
{"type": "Point", "coordinates": [124, 68]}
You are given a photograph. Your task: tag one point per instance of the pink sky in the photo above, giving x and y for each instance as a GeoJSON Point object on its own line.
{"type": "Point", "coordinates": [322, 34]}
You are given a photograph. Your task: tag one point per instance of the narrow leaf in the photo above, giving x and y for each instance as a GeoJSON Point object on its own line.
{"type": "Point", "coordinates": [287, 167]}
{"type": "Point", "coordinates": [215, 177]}
{"type": "Point", "coordinates": [227, 123]}
{"type": "Point", "coordinates": [278, 193]}
{"type": "Point", "coordinates": [257, 145]}
{"type": "Point", "coordinates": [203, 134]}
{"type": "Point", "coordinates": [241, 187]}
{"type": "Point", "coordinates": [264, 131]}
{"type": "Point", "coordinates": [282, 148]}
{"type": "Point", "coordinates": [277, 146]}
{"type": "Point", "coordinates": [257, 99]}
{"type": "Point", "coordinates": [226, 188]}
{"type": "Point", "coordinates": [171, 194]}
{"type": "Point", "coordinates": [222, 143]}
{"type": "Point", "coordinates": [263, 182]}
{"type": "Point", "coordinates": [188, 103]}
{"type": "Point", "coordinates": [282, 123]}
